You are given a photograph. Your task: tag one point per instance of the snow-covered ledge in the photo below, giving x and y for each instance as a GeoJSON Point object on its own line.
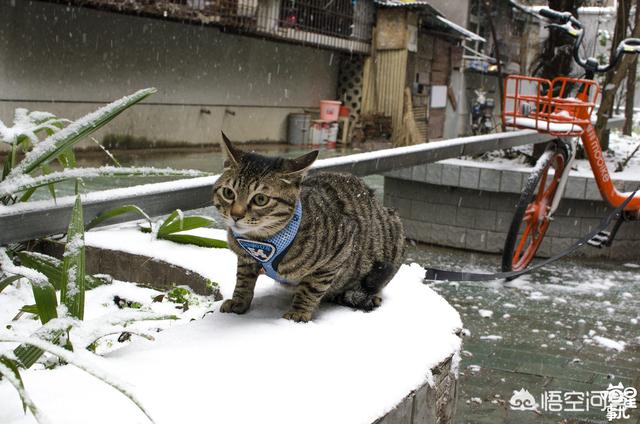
{"type": "Point", "coordinates": [397, 364]}
{"type": "Point", "coordinates": [469, 204]}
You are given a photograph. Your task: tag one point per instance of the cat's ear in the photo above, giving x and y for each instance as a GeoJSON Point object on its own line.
{"type": "Point", "coordinates": [301, 164]}
{"type": "Point", "coordinates": [232, 153]}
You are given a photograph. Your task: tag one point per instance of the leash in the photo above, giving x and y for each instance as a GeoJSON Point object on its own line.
{"type": "Point", "coordinates": [435, 274]}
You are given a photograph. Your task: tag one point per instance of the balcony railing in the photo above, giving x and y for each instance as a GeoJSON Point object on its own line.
{"type": "Point", "coordinates": [336, 24]}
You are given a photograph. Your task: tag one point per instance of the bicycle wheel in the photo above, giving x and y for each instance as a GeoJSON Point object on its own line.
{"type": "Point", "coordinates": [531, 220]}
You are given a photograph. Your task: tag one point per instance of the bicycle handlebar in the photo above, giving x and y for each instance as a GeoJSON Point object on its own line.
{"type": "Point", "coordinates": [566, 22]}
{"type": "Point", "coordinates": [554, 15]}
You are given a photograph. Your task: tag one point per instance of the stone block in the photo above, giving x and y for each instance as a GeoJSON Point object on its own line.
{"type": "Point", "coordinates": [476, 240]}
{"type": "Point", "coordinates": [544, 250]}
{"type": "Point", "coordinates": [485, 219]}
{"type": "Point", "coordinates": [450, 175]}
{"type": "Point", "coordinates": [465, 217]}
{"type": "Point", "coordinates": [434, 173]}
{"type": "Point", "coordinates": [405, 173]}
{"type": "Point", "coordinates": [592, 192]}
{"type": "Point", "coordinates": [424, 406]}
{"type": "Point", "coordinates": [438, 234]}
{"type": "Point", "coordinates": [417, 230]}
{"type": "Point", "coordinates": [401, 414]}
{"type": "Point", "coordinates": [511, 182]}
{"type": "Point", "coordinates": [503, 220]}
{"type": "Point", "coordinates": [631, 185]}
{"type": "Point", "coordinates": [560, 244]}
{"type": "Point", "coordinates": [576, 188]}
{"type": "Point", "coordinates": [589, 224]}
{"type": "Point", "coordinates": [504, 202]}
{"type": "Point", "coordinates": [475, 198]}
{"type": "Point", "coordinates": [456, 237]}
{"type": "Point", "coordinates": [420, 173]}
{"type": "Point", "coordinates": [566, 226]}
{"type": "Point", "coordinates": [495, 241]}
{"type": "Point", "coordinates": [489, 179]}
{"type": "Point", "coordinates": [423, 211]}
{"type": "Point", "coordinates": [469, 177]}
{"type": "Point", "coordinates": [445, 195]}
{"type": "Point", "coordinates": [400, 204]}
{"type": "Point", "coordinates": [445, 214]}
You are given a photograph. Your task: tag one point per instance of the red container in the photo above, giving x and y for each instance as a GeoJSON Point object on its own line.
{"type": "Point", "coordinates": [345, 112]}
{"type": "Point", "coordinates": [329, 110]}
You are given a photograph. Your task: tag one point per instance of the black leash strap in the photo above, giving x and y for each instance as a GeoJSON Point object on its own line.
{"type": "Point", "coordinates": [434, 274]}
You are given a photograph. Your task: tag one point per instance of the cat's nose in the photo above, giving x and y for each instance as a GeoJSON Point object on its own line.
{"type": "Point", "coordinates": [238, 212]}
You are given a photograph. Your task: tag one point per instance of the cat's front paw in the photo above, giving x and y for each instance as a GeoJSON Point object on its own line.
{"type": "Point", "coordinates": [235, 306]}
{"type": "Point", "coordinates": [298, 316]}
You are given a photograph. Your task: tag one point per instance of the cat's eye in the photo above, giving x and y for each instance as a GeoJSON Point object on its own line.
{"type": "Point", "coordinates": [260, 199]}
{"type": "Point", "coordinates": [228, 194]}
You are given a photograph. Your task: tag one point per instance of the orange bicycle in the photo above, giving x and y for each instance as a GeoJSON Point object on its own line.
{"type": "Point", "coordinates": [561, 107]}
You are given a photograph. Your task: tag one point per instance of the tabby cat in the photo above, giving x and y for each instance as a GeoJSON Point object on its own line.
{"type": "Point", "coordinates": [347, 246]}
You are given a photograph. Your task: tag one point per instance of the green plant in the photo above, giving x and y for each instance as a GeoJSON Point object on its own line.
{"type": "Point", "coordinates": [46, 274]}
{"type": "Point", "coordinates": [18, 181]}
{"type": "Point", "coordinates": [178, 295]}
{"type": "Point", "coordinates": [170, 229]}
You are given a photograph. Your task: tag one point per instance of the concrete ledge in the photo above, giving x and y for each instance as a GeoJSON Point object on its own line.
{"type": "Point", "coordinates": [428, 405]}
{"type": "Point", "coordinates": [469, 205]}
{"type": "Point", "coordinates": [142, 269]}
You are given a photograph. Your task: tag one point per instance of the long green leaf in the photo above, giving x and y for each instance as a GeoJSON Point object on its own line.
{"type": "Point", "coordinates": [46, 301]}
{"type": "Point", "coordinates": [27, 355]}
{"type": "Point", "coordinates": [9, 369]}
{"type": "Point", "coordinates": [175, 215]}
{"type": "Point", "coordinates": [196, 240]}
{"type": "Point", "coordinates": [183, 224]}
{"type": "Point", "coordinates": [52, 146]}
{"type": "Point", "coordinates": [52, 268]}
{"type": "Point", "coordinates": [27, 195]}
{"type": "Point", "coordinates": [4, 283]}
{"type": "Point", "coordinates": [48, 265]}
{"type": "Point", "coordinates": [112, 213]}
{"type": "Point", "coordinates": [73, 265]}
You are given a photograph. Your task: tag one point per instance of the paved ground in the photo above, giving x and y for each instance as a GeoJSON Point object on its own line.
{"type": "Point", "coordinates": [542, 335]}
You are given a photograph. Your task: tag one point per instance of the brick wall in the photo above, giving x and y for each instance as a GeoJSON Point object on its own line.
{"type": "Point", "coordinates": [468, 205]}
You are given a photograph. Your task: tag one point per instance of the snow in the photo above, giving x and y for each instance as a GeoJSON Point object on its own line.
{"type": "Point", "coordinates": [609, 343]}
{"type": "Point", "coordinates": [485, 313]}
{"type": "Point", "coordinates": [8, 267]}
{"type": "Point", "coordinates": [491, 337]}
{"type": "Point", "coordinates": [247, 368]}
{"type": "Point", "coordinates": [542, 125]}
{"type": "Point", "coordinates": [27, 123]}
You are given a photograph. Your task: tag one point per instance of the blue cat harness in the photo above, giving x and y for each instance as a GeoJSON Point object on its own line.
{"type": "Point", "coordinates": [270, 252]}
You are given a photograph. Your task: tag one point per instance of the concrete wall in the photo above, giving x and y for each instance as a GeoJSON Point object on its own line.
{"type": "Point", "coordinates": [81, 58]}
{"type": "Point", "coordinates": [469, 205]}
{"type": "Point", "coordinates": [456, 11]}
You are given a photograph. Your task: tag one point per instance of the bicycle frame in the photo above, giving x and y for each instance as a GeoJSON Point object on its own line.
{"type": "Point", "coordinates": [593, 150]}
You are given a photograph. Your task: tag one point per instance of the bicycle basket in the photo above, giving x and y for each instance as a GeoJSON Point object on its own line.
{"type": "Point", "coordinates": [544, 105]}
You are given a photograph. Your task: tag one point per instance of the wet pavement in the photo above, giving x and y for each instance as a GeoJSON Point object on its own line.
{"type": "Point", "coordinates": [542, 333]}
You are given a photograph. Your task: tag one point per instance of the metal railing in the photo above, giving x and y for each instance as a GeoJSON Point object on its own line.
{"type": "Point", "coordinates": [339, 24]}
{"type": "Point", "coordinates": [28, 221]}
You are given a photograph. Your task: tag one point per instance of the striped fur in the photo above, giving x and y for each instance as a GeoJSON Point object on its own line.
{"type": "Point", "coordinates": [348, 246]}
